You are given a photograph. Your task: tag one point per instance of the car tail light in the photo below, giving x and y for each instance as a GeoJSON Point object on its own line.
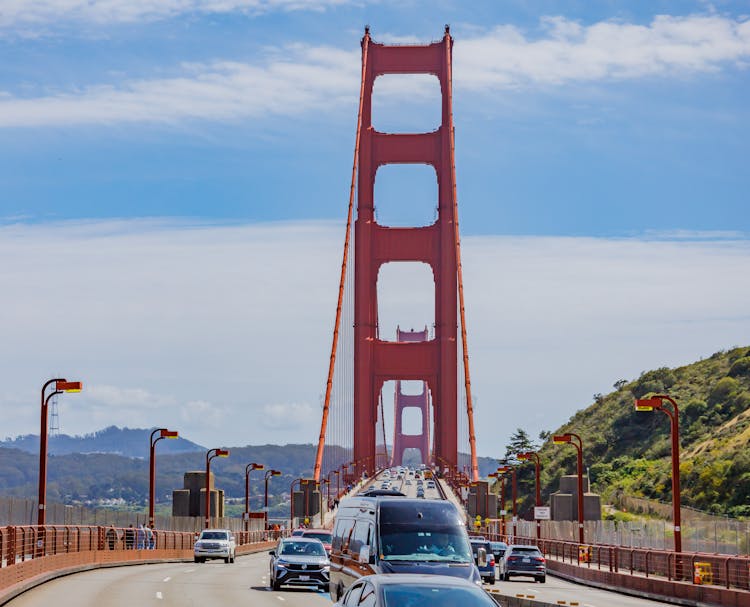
{"type": "Point", "coordinates": [492, 561]}
{"type": "Point", "coordinates": [541, 560]}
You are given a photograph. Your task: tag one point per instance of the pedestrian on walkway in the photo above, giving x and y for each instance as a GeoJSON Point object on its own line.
{"type": "Point", "coordinates": [129, 538]}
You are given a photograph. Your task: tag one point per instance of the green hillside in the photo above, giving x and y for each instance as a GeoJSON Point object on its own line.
{"type": "Point", "coordinates": [628, 452]}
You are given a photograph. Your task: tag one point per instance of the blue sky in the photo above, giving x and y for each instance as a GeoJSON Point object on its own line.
{"type": "Point", "coordinates": [583, 129]}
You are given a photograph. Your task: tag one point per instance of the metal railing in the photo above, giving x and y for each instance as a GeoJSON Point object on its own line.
{"type": "Point", "coordinates": [691, 567]}
{"type": "Point", "coordinates": [30, 554]}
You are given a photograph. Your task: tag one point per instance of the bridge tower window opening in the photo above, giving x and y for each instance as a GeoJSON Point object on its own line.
{"type": "Point", "coordinates": [406, 103]}
{"type": "Point", "coordinates": [406, 298]}
{"type": "Point", "coordinates": [406, 195]}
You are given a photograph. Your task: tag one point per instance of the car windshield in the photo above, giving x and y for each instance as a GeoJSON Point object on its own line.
{"type": "Point", "coordinates": [526, 551]}
{"type": "Point", "coordinates": [322, 536]}
{"type": "Point", "coordinates": [408, 543]}
{"type": "Point", "coordinates": [303, 548]}
{"type": "Point", "coordinates": [403, 595]}
{"type": "Point", "coordinates": [214, 535]}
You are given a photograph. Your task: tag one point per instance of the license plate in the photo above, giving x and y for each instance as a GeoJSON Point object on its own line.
{"type": "Point", "coordinates": [304, 578]}
{"type": "Point", "coordinates": [526, 559]}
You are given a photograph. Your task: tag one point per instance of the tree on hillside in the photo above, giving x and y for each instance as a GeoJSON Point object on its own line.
{"type": "Point", "coordinates": [519, 442]}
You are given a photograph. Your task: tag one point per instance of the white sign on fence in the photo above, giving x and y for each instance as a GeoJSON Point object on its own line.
{"type": "Point", "coordinates": [542, 513]}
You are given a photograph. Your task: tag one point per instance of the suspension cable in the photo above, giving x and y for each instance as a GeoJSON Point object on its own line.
{"type": "Point", "coordinates": [332, 362]}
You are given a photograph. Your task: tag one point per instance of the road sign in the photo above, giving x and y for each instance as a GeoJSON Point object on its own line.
{"type": "Point", "coordinates": [542, 513]}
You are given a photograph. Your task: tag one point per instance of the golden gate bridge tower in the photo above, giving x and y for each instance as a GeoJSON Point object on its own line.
{"type": "Point", "coordinates": [360, 361]}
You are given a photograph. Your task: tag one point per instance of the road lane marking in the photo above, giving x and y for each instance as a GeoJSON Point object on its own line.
{"type": "Point", "coordinates": [166, 579]}
{"type": "Point", "coordinates": [189, 570]}
{"type": "Point", "coordinates": [281, 598]}
{"type": "Point", "coordinates": [159, 596]}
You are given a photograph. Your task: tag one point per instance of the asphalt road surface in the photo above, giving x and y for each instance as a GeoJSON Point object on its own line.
{"type": "Point", "coordinates": [246, 583]}
{"type": "Point", "coordinates": [555, 590]}
{"type": "Point", "coordinates": [172, 585]}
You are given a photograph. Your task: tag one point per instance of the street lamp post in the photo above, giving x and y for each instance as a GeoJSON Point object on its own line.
{"type": "Point", "coordinates": [568, 438]}
{"type": "Point", "coordinates": [163, 433]}
{"type": "Point", "coordinates": [210, 454]}
{"type": "Point", "coordinates": [338, 488]}
{"type": "Point", "coordinates": [61, 385]}
{"type": "Point", "coordinates": [269, 474]}
{"type": "Point", "coordinates": [345, 472]}
{"type": "Point", "coordinates": [491, 475]}
{"type": "Point", "coordinates": [502, 501]}
{"type": "Point", "coordinates": [657, 402]}
{"type": "Point", "coordinates": [251, 466]}
{"type": "Point", "coordinates": [537, 470]}
{"type": "Point", "coordinates": [514, 493]}
{"type": "Point", "coordinates": [327, 483]}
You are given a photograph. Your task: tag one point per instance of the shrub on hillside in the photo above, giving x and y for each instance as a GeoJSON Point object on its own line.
{"type": "Point", "coordinates": [723, 390]}
{"type": "Point", "coordinates": [658, 380]}
{"type": "Point", "coordinates": [740, 368]}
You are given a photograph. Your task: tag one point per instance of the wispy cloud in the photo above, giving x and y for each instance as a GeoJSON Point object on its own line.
{"type": "Point", "coordinates": [45, 12]}
{"type": "Point", "coordinates": [225, 331]}
{"type": "Point", "coordinates": [217, 91]}
{"type": "Point", "coordinates": [609, 50]}
{"type": "Point", "coordinates": [298, 79]}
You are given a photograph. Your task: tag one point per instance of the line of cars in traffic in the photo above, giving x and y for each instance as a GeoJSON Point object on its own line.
{"type": "Point", "coordinates": [387, 550]}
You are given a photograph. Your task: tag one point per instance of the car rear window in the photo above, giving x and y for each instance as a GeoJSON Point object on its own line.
{"type": "Point", "coordinates": [323, 537]}
{"type": "Point", "coordinates": [435, 596]}
{"type": "Point", "coordinates": [527, 551]}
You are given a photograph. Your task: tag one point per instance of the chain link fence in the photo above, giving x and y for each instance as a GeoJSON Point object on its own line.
{"type": "Point", "coordinates": [21, 511]}
{"type": "Point", "coordinates": [730, 537]}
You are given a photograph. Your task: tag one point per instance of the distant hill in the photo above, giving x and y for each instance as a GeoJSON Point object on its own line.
{"type": "Point", "coordinates": [628, 453]}
{"type": "Point", "coordinates": [86, 478]}
{"type": "Point", "coordinates": [128, 442]}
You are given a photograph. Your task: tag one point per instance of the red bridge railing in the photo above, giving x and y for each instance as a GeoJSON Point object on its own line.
{"type": "Point", "coordinates": [693, 568]}
{"type": "Point", "coordinates": [30, 554]}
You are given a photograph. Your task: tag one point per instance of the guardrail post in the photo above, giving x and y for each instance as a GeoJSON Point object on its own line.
{"type": "Point", "coordinates": [11, 559]}
{"type": "Point", "coordinates": [726, 569]}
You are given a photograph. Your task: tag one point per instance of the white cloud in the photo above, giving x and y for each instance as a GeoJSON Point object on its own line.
{"type": "Point", "coordinates": [608, 50]}
{"type": "Point", "coordinates": [217, 91]}
{"type": "Point", "coordinates": [298, 79]}
{"type": "Point", "coordinates": [14, 13]}
{"type": "Point", "coordinates": [224, 331]}
{"type": "Point", "coordinates": [297, 417]}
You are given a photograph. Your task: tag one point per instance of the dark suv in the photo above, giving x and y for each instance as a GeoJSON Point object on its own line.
{"type": "Point", "coordinates": [523, 560]}
{"type": "Point", "coordinates": [487, 571]}
{"type": "Point", "coordinates": [299, 561]}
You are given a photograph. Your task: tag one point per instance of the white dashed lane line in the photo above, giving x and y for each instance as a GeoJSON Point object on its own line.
{"type": "Point", "coordinates": [166, 579]}
{"type": "Point", "coordinates": [159, 596]}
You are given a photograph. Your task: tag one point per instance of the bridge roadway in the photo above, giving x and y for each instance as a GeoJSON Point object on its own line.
{"type": "Point", "coordinates": [246, 583]}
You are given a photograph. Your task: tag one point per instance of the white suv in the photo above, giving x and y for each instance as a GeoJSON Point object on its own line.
{"type": "Point", "coordinates": [214, 544]}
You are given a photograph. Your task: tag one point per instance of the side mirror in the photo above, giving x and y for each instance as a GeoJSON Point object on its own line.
{"type": "Point", "coordinates": [364, 554]}
{"type": "Point", "coordinates": [481, 557]}
{"type": "Point", "coordinates": [272, 552]}
{"type": "Point", "coordinates": [231, 538]}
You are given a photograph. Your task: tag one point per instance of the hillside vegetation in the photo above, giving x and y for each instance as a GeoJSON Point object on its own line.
{"type": "Point", "coordinates": [628, 452]}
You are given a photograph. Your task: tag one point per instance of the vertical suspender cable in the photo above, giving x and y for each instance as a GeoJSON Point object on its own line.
{"type": "Point", "coordinates": [385, 442]}
{"type": "Point", "coordinates": [332, 362]}
{"type": "Point", "coordinates": [467, 378]}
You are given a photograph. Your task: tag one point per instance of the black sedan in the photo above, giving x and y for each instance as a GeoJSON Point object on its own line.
{"type": "Point", "coordinates": [397, 590]}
